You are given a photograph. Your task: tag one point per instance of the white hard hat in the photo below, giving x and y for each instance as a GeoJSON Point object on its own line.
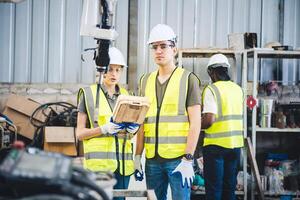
{"type": "Point", "coordinates": [218, 60]}
{"type": "Point", "coordinates": [116, 57]}
{"type": "Point", "coordinates": [161, 32]}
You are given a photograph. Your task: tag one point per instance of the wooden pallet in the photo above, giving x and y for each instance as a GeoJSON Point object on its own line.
{"type": "Point", "coordinates": [135, 193]}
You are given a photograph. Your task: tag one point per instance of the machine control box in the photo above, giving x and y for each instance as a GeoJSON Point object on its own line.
{"type": "Point", "coordinates": [35, 165]}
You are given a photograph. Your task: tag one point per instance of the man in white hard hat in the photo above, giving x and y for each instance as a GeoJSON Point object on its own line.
{"type": "Point", "coordinates": [105, 148]}
{"type": "Point", "coordinates": [172, 125]}
{"type": "Point", "coordinates": [222, 120]}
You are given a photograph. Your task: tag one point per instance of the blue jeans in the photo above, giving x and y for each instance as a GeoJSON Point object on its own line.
{"type": "Point", "coordinates": [158, 176]}
{"type": "Point", "coordinates": [220, 171]}
{"type": "Point", "coordinates": [120, 184]}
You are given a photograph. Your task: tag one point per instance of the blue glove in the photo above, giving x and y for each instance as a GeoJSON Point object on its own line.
{"type": "Point", "coordinates": [138, 173]}
{"type": "Point", "coordinates": [132, 128]}
{"type": "Point", "coordinates": [185, 168]}
{"type": "Point", "coordinates": [139, 176]}
{"type": "Point", "coordinates": [111, 127]}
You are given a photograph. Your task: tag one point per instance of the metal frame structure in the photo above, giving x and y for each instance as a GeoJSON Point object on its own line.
{"type": "Point", "coordinates": [206, 53]}
{"type": "Point", "coordinates": [135, 193]}
{"type": "Point", "coordinates": [257, 54]}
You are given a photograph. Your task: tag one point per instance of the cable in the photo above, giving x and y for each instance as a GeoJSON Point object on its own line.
{"type": "Point", "coordinates": [77, 179]}
{"type": "Point", "coordinates": [66, 117]}
{"type": "Point", "coordinates": [53, 118]}
{"type": "Point", "coordinates": [77, 192]}
{"type": "Point", "coordinates": [123, 160]}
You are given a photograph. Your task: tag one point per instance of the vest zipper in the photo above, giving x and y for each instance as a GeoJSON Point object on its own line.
{"type": "Point", "coordinates": [156, 130]}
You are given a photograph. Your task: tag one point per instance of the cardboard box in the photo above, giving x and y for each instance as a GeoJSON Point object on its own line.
{"type": "Point", "coordinates": [19, 109]}
{"type": "Point", "coordinates": [131, 109]}
{"type": "Point", "coordinates": [60, 139]}
{"type": "Point", "coordinates": [240, 41]}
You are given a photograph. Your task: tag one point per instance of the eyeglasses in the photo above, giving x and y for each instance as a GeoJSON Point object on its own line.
{"type": "Point", "coordinates": [162, 46]}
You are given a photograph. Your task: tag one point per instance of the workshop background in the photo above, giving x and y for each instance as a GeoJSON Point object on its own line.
{"type": "Point", "coordinates": [41, 50]}
{"type": "Point", "coordinates": [40, 41]}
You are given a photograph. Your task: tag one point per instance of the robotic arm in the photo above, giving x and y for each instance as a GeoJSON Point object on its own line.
{"type": "Point", "coordinates": [104, 33]}
{"type": "Point", "coordinates": [90, 19]}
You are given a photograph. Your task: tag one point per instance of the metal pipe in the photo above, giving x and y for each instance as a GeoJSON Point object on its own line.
{"type": "Point", "coordinates": [244, 85]}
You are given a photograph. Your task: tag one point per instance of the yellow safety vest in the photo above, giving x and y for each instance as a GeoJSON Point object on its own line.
{"type": "Point", "coordinates": [227, 130]}
{"type": "Point", "coordinates": [166, 128]}
{"type": "Point", "coordinates": [100, 153]}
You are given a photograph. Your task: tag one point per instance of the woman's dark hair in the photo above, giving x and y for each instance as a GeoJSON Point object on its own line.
{"type": "Point", "coordinates": [220, 72]}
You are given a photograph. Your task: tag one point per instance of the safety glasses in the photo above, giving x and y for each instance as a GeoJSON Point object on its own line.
{"type": "Point", "coordinates": [162, 46]}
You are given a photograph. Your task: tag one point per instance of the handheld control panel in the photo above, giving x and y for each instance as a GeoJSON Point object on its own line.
{"type": "Point", "coordinates": [36, 165]}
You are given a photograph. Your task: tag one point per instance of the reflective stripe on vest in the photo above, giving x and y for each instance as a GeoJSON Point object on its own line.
{"type": "Point", "coordinates": [227, 130]}
{"type": "Point", "coordinates": [166, 140]}
{"type": "Point", "coordinates": [181, 118]}
{"type": "Point", "coordinates": [100, 152]}
{"type": "Point", "coordinates": [173, 124]}
{"type": "Point", "coordinates": [106, 155]}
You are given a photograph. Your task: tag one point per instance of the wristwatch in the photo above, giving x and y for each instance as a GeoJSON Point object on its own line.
{"type": "Point", "coordinates": [188, 156]}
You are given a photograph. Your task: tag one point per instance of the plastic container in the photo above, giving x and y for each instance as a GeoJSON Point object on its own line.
{"type": "Point", "coordinates": [266, 106]}
{"type": "Point", "coordinates": [286, 197]}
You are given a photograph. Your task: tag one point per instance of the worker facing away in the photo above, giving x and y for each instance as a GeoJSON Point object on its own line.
{"type": "Point", "coordinates": [223, 123]}
{"type": "Point", "coordinates": [104, 148]}
{"type": "Point", "coordinates": [172, 125]}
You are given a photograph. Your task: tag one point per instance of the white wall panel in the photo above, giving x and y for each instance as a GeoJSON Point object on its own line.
{"type": "Point", "coordinates": [57, 21]}
{"type": "Point", "coordinates": [143, 31]}
{"type": "Point", "coordinates": [23, 26]}
{"type": "Point", "coordinates": [206, 23]}
{"type": "Point", "coordinates": [7, 17]}
{"type": "Point", "coordinates": [40, 42]}
{"type": "Point", "coordinates": [122, 23]}
{"type": "Point", "coordinates": [72, 42]}
{"type": "Point", "coordinates": [291, 35]}
{"type": "Point", "coordinates": [39, 49]}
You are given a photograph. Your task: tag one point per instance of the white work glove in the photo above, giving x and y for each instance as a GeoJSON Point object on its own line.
{"type": "Point", "coordinates": [132, 128]}
{"type": "Point", "coordinates": [185, 168]}
{"type": "Point", "coordinates": [138, 172]}
{"type": "Point", "coordinates": [111, 128]}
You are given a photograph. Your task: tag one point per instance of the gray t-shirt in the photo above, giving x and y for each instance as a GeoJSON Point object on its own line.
{"type": "Point", "coordinates": [111, 99]}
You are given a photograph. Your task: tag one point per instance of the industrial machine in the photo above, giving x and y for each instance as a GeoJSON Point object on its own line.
{"type": "Point", "coordinates": [103, 31]}
{"type": "Point", "coordinates": [8, 132]}
{"type": "Point", "coordinates": [30, 172]}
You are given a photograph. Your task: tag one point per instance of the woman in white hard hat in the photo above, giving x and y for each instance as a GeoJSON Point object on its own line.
{"type": "Point", "coordinates": [172, 124]}
{"type": "Point", "coordinates": [223, 123]}
{"type": "Point", "coordinates": [104, 149]}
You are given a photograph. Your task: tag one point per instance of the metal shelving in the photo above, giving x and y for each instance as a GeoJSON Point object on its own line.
{"type": "Point", "coordinates": [280, 130]}
{"type": "Point", "coordinates": [206, 53]}
{"type": "Point", "coordinates": [256, 54]}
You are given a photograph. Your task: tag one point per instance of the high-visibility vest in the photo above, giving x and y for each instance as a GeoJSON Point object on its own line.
{"type": "Point", "coordinates": [104, 153]}
{"type": "Point", "coordinates": [227, 130]}
{"type": "Point", "coordinates": [166, 128]}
